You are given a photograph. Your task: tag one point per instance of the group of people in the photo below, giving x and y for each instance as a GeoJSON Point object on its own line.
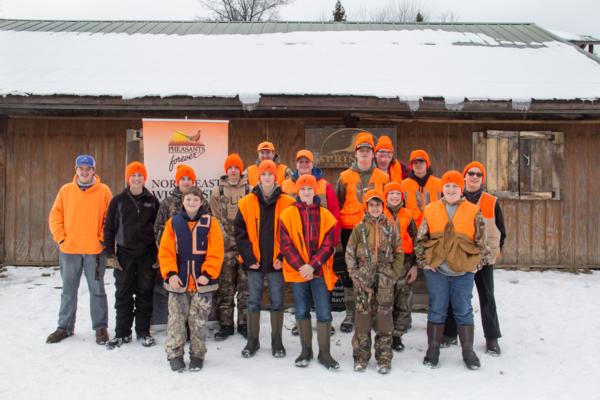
{"type": "Point", "coordinates": [384, 219]}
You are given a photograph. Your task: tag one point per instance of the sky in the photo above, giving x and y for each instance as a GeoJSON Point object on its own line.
{"type": "Point", "coordinates": [575, 16]}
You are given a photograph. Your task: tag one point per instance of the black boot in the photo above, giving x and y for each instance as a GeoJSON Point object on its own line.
{"type": "Point", "coordinates": [224, 332]}
{"type": "Point", "coordinates": [243, 330]}
{"type": "Point", "coordinates": [324, 340]}
{"type": "Point", "coordinates": [492, 347]}
{"type": "Point", "coordinates": [277, 348]}
{"type": "Point", "coordinates": [397, 344]}
{"type": "Point", "coordinates": [434, 338]}
{"type": "Point", "coordinates": [177, 364]}
{"type": "Point", "coordinates": [448, 341]}
{"type": "Point", "coordinates": [196, 364]}
{"type": "Point", "coordinates": [465, 333]}
{"type": "Point", "coordinates": [252, 345]}
{"type": "Point", "coordinates": [305, 333]}
{"type": "Point", "coordinates": [350, 300]}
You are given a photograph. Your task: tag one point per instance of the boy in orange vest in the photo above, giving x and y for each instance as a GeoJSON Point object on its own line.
{"type": "Point", "coordinates": [451, 246]}
{"type": "Point", "coordinates": [374, 256]}
{"type": "Point", "coordinates": [421, 187]}
{"type": "Point", "coordinates": [266, 151]}
{"type": "Point", "coordinates": [394, 209]}
{"type": "Point", "coordinates": [190, 257]}
{"type": "Point", "coordinates": [307, 236]}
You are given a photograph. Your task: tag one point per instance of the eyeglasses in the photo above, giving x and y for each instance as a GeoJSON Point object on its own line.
{"type": "Point", "coordinates": [477, 174]}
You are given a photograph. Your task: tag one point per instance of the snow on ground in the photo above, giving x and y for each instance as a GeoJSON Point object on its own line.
{"type": "Point", "coordinates": [550, 351]}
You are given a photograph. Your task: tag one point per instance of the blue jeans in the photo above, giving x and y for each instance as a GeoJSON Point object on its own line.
{"type": "Point", "coordinates": [443, 289]}
{"type": "Point", "coordinates": [71, 268]}
{"type": "Point", "coordinates": [317, 290]}
{"type": "Point", "coordinates": [256, 281]}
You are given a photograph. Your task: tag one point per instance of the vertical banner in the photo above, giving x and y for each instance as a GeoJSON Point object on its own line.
{"type": "Point", "coordinates": [200, 144]}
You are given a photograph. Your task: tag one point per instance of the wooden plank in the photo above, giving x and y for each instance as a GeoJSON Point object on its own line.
{"type": "Point", "coordinates": [524, 232]}
{"type": "Point", "coordinates": [525, 167]}
{"type": "Point", "coordinates": [3, 191]}
{"type": "Point", "coordinates": [496, 134]}
{"type": "Point", "coordinates": [582, 198]}
{"type": "Point", "coordinates": [37, 218]}
{"type": "Point", "coordinates": [503, 164]}
{"type": "Point", "coordinates": [511, 222]}
{"type": "Point", "coordinates": [536, 195]}
{"type": "Point", "coordinates": [593, 219]}
{"type": "Point", "coordinates": [552, 227]}
{"type": "Point", "coordinates": [568, 202]}
{"type": "Point", "coordinates": [513, 165]}
{"type": "Point", "coordinates": [558, 163]}
{"type": "Point", "coordinates": [52, 183]}
{"type": "Point", "coordinates": [479, 147]}
{"type": "Point", "coordinates": [23, 145]}
{"type": "Point", "coordinates": [492, 164]}
{"type": "Point", "coordinates": [538, 234]}
{"type": "Point", "coordinates": [544, 135]}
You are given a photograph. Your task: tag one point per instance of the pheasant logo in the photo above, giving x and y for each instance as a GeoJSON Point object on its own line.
{"type": "Point", "coordinates": [184, 148]}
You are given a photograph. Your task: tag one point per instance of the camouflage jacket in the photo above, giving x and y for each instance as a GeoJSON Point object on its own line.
{"type": "Point", "coordinates": [224, 206]}
{"type": "Point", "coordinates": [374, 248]}
{"type": "Point", "coordinates": [480, 240]}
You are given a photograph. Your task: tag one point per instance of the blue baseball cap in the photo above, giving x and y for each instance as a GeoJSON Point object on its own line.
{"type": "Point", "coordinates": [85, 160]}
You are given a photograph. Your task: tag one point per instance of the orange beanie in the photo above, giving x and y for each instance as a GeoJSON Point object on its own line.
{"type": "Point", "coordinates": [362, 139]}
{"type": "Point", "coordinates": [306, 154]}
{"type": "Point", "coordinates": [384, 143]}
{"type": "Point", "coordinates": [265, 146]}
{"type": "Point", "coordinates": [454, 177]}
{"type": "Point", "coordinates": [134, 167]}
{"type": "Point", "coordinates": [184, 170]}
{"type": "Point", "coordinates": [306, 180]}
{"type": "Point", "coordinates": [374, 194]}
{"type": "Point", "coordinates": [393, 185]}
{"type": "Point", "coordinates": [419, 154]}
{"type": "Point", "coordinates": [267, 166]}
{"type": "Point", "coordinates": [234, 160]}
{"type": "Point", "coordinates": [475, 164]}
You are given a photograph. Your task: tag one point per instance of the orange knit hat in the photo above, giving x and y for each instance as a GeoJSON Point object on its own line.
{"type": "Point", "coordinates": [419, 155]}
{"type": "Point", "coordinates": [267, 166]}
{"type": "Point", "coordinates": [184, 170]}
{"type": "Point", "coordinates": [475, 164]}
{"type": "Point", "coordinates": [306, 154]}
{"type": "Point", "coordinates": [454, 177]}
{"type": "Point", "coordinates": [265, 146]}
{"type": "Point", "coordinates": [384, 143]}
{"type": "Point", "coordinates": [393, 185]}
{"type": "Point", "coordinates": [362, 139]}
{"type": "Point", "coordinates": [306, 180]}
{"type": "Point", "coordinates": [374, 194]}
{"type": "Point", "coordinates": [134, 167]}
{"type": "Point", "coordinates": [234, 160]}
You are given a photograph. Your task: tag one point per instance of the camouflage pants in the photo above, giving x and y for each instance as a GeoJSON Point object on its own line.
{"type": "Point", "coordinates": [194, 308]}
{"type": "Point", "coordinates": [374, 311]}
{"type": "Point", "coordinates": [233, 279]}
{"type": "Point", "coordinates": [403, 295]}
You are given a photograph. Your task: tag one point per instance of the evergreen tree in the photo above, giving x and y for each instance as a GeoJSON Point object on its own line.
{"type": "Point", "coordinates": [339, 14]}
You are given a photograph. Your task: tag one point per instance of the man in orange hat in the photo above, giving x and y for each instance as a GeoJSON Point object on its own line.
{"type": "Point", "coordinates": [130, 246]}
{"type": "Point", "coordinates": [375, 257]}
{"type": "Point", "coordinates": [474, 174]}
{"type": "Point", "coordinates": [185, 178]}
{"type": "Point", "coordinates": [421, 187]}
{"type": "Point", "coordinates": [266, 151]}
{"type": "Point", "coordinates": [224, 206]}
{"type": "Point", "coordinates": [451, 245]}
{"type": "Point", "coordinates": [385, 160]}
{"type": "Point", "coordinates": [351, 188]}
{"type": "Point", "coordinates": [256, 236]}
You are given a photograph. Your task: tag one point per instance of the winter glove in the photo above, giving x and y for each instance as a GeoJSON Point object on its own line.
{"type": "Point", "coordinates": [114, 263]}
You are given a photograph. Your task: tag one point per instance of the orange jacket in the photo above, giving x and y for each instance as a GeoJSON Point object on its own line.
{"type": "Point", "coordinates": [395, 171]}
{"type": "Point", "coordinates": [352, 211]}
{"type": "Point", "coordinates": [403, 220]}
{"type": "Point", "coordinates": [250, 211]}
{"type": "Point", "coordinates": [252, 172]}
{"type": "Point", "coordinates": [290, 218]}
{"type": "Point", "coordinates": [416, 198]}
{"type": "Point", "coordinates": [76, 219]}
{"type": "Point", "coordinates": [167, 253]}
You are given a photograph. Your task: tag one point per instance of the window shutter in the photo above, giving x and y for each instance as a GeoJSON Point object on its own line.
{"type": "Point", "coordinates": [499, 152]}
{"type": "Point", "coordinates": [540, 162]}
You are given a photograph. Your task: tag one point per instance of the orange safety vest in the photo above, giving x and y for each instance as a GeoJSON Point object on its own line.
{"type": "Point", "coordinates": [289, 187]}
{"type": "Point", "coordinates": [487, 203]}
{"type": "Point", "coordinates": [250, 210]}
{"type": "Point", "coordinates": [416, 200]}
{"type": "Point", "coordinates": [403, 220]}
{"type": "Point", "coordinates": [395, 171]}
{"type": "Point", "coordinates": [464, 218]}
{"type": "Point", "coordinates": [291, 219]}
{"type": "Point", "coordinates": [353, 211]}
{"type": "Point", "coordinates": [253, 174]}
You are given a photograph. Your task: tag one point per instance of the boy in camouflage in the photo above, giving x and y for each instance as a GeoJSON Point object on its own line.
{"type": "Point", "coordinates": [190, 257]}
{"type": "Point", "coordinates": [224, 206]}
{"type": "Point", "coordinates": [374, 257]}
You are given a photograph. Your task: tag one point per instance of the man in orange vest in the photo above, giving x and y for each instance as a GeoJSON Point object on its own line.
{"type": "Point", "coordinates": [351, 188]}
{"type": "Point", "coordinates": [451, 245]}
{"type": "Point", "coordinates": [491, 212]}
{"type": "Point", "coordinates": [266, 151]}
{"type": "Point", "coordinates": [421, 187]}
{"type": "Point", "coordinates": [256, 236]}
{"type": "Point", "coordinates": [307, 235]}
{"type": "Point", "coordinates": [385, 160]}
{"type": "Point", "coordinates": [394, 209]}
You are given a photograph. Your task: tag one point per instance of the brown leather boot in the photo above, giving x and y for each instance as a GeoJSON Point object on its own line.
{"type": "Point", "coordinates": [465, 334]}
{"type": "Point", "coordinates": [434, 339]}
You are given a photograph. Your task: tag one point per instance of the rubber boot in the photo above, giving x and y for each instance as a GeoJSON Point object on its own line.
{"type": "Point", "coordinates": [252, 345]}
{"type": "Point", "coordinates": [350, 300]}
{"type": "Point", "coordinates": [434, 339]}
{"type": "Point", "coordinates": [324, 340]}
{"type": "Point", "coordinates": [492, 347]}
{"type": "Point", "coordinates": [305, 333]}
{"type": "Point", "coordinates": [277, 348]}
{"type": "Point", "coordinates": [465, 334]}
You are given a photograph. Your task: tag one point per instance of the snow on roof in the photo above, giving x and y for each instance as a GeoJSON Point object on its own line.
{"type": "Point", "coordinates": [408, 64]}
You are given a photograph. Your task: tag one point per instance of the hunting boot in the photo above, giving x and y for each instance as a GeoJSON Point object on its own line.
{"type": "Point", "coordinates": [465, 333]}
{"type": "Point", "coordinates": [305, 333]}
{"type": "Point", "coordinates": [492, 347]}
{"type": "Point", "coordinates": [434, 338]}
{"type": "Point", "coordinates": [224, 332]}
{"type": "Point", "coordinates": [324, 340]}
{"type": "Point", "coordinates": [448, 341]}
{"type": "Point", "coordinates": [277, 348]}
{"type": "Point", "coordinates": [350, 300]}
{"type": "Point", "coordinates": [397, 344]}
{"type": "Point", "coordinates": [252, 345]}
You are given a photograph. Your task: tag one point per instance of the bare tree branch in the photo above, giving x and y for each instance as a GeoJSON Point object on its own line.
{"type": "Point", "coordinates": [243, 10]}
